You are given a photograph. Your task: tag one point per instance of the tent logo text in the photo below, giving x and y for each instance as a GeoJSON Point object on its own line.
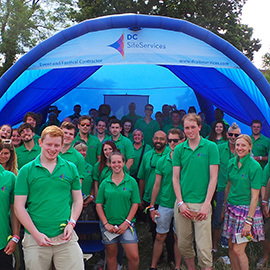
{"type": "Point", "coordinates": [119, 45]}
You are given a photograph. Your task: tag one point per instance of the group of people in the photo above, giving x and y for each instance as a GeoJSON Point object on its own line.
{"type": "Point", "coordinates": [175, 170]}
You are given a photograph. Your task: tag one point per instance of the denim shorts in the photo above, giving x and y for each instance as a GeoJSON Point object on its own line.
{"type": "Point", "coordinates": [128, 237]}
{"type": "Point", "coordinates": [218, 209]}
{"type": "Point", "coordinates": [164, 220]}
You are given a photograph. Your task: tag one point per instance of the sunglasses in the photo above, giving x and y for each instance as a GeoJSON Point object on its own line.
{"type": "Point", "coordinates": [85, 124]}
{"type": "Point", "coordinates": [231, 134]}
{"type": "Point", "coordinates": [173, 140]}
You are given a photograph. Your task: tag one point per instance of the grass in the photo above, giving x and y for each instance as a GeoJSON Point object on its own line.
{"type": "Point", "coordinates": [254, 252]}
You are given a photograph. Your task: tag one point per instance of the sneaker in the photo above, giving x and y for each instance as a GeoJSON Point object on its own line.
{"type": "Point", "coordinates": [224, 242]}
{"type": "Point", "coordinates": [226, 260]}
{"type": "Point", "coordinates": [261, 264]}
{"type": "Point", "coordinates": [119, 266]}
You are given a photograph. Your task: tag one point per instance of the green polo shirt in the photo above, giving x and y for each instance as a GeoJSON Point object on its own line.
{"type": "Point", "coordinates": [243, 179]}
{"type": "Point", "coordinates": [125, 146]}
{"type": "Point", "coordinates": [261, 147]}
{"type": "Point", "coordinates": [170, 126]}
{"type": "Point", "coordinates": [36, 139]}
{"type": "Point", "coordinates": [24, 156]}
{"type": "Point", "coordinates": [94, 148]}
{"type": "Point", "coordinates": [48, 194]}
{"type": "Point", "coordinates": [266, 174]}
{"type": "Point", "coordinates": [106, 172]}
{"type": "Point", "coordinates": [87, 179]}
{"type": "Point", "coordinates": [134, 168]}
{"type": "Point", "coordinates": [147, 172]}
{"type": "Point", "coordinates": [205, 130]}
{"type": "Point", "coordinates": [133, 118]}
{"type": "Point", "coordinates": [225, 155]}
{"type": "Point", "coordinates": [106, 138]}
{"type": "Point", "coordinates": [166, 192]}
{"type": "Point", "coordinates": [218, 142]}
{"type": "Point", "coordinates": [117, 200]}
{"type": "Point", "coordinates": [7, 182]}
{"type": "Point", "coordinates": [148, 130]}
{"type": "Point", "coordinates": [195, 168]}
{"type": "Point", "coordinates": [75, 157]}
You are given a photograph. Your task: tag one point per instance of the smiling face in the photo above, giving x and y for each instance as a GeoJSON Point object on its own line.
{"type": "Point", "coordinates": [242, 147]}
{"type": "Point", "coordinates": [50, 147]}
{"type": "Point", "coordinates": [191, 128]}
{"type": "Point", "coordinates": [232, 135]}
{"type": "Point", "coordinates": [117, 164]}
{"type": "Point", "coordinates": [101, 127]}
{"type": "Point", "coordinates": [5, 132]}
{"type": "Point", "coordinates": [218, 128]}
{"type": "Point", "coordinates": [16, 138]}
{"type": "Point", "coordinates": [137, 136]}
{"type": "Point", "coordinates": [4, 156]}
{"type": "Point", "coordinates": [115, 129]}
{"type": "Point", "coordinates": [107, 150]}
{"type": "Point", "coordinates": [27, 134]}
{"type": "Point", "coordinates": [69, 135]}
{"type": "Point", "coordinates": [256, 128]}
{"type": "Point", "coordinates": [159, 140]}
{"type": "Point", "coordinates": [30, 120]}
{"type": "Point", "coordinates": [84, 126]}
{"type": "Point", "coordinates": [83, 152]}
{"type": "Point", "coordinates": [127, 127]}
{"type": "Point", "coordinates": [173, 140]}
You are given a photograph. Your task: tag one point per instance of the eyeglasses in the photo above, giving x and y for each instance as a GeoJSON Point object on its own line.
{"type": "Point", "coordinates": [85, 124]}
{"type": "Point", "coordinates": [173, 140]}
{"type": "Point", "coordinates": [231, 134]}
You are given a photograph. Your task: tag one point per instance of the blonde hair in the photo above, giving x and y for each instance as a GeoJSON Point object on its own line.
{"type": "Point", "coordinates": [246, 138]}
{"type": "Point", "coordinates": [192, 117]}
{"type": "Point", "coordinates": [52, 131]}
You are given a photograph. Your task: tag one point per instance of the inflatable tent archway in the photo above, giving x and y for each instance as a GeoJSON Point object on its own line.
{"type": "Point", "coordinates": [198, 60]}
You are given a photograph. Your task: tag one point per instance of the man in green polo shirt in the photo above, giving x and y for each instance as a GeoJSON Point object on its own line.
{"type": "Point", "coordinates": [8, 237]}
{"type": "Point", "coordinates": [176, 122]}
{"type": "Point", "coordinates": [226, 152]}
{"type": "Point", "coordinates": [195, 171]}
{"type": "Point", "coordinates": [93, 143]}
{"type": "Point", "coordinates": [29, 150]}
{"type": "Point", "coordinates": [69, 153]}
{"type": "Point", "coordinates": [147, 175]}
{"type": "Point", "coordinates": [31, 118]}
{"type": "Point", "coordinates": [148, 125]}
{"type": "Point", "coordinates": [164, 186]}
{"type": "Point", "coordinates": [121, 142]}
{"type": "Point", "coordinates": [50, 187]}
{"type": "Point", "coordinates": [261, 144]}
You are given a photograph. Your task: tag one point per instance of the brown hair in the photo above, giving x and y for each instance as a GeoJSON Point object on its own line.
{"type": "Point", "coordinates": [12, 162]}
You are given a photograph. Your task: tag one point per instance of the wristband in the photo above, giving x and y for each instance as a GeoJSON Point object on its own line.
{"type": "Point", "coordinates": [248, 222]}
{"type": "Point", "coordinates": [16, 236]}
{"type": "Point", "coordinates": [260, 157]}
{"type": "Point", "coordinates": [15, 239]}
{"type": "Point", "coordinates": [249, 217]}
{"type": "Point", "coordinates": [93, 197]}
{"type": "Point", "coordinates": [180, 203]}
{"type": "Point", "coordinates": [151, 208]}
{"type": "Point", "coordinates": [72, 222]}
{"type": "Point", "coordinates": [264, 201]}
{"type": "Point", "coordinates": [105, 223]}
{"type": "Point", "coordinates": [129, 221]}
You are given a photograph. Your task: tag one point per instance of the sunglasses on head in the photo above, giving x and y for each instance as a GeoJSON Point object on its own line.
{"type": "Point", "coordinates": [231, 134]}
{"type": "Point", "coordinates": [173, 140]}
{"type": "Point", "coordinates": [85, 124]}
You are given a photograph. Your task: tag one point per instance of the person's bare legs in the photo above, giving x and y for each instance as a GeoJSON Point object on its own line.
{"type": "Point", "coordinates": [177, 254]}
{"type": "Point", "coordinates": [216, 237]}
{"type": "Point", "coordinates": [158, 248]}
{"type": "Point", "coordinates": [190, 262]}
{"type": "Point", "coordinates": [239, 250]}
{"type": "Point", "coordinates": [132, 253]}
{"type": "Point", "coordinates": [111, 256]}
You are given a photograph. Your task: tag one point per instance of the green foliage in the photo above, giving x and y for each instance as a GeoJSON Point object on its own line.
{"type": "Point", "coordinates": [23, 23]}
{"type": "Point", "coordinates": [266, 61]}
{"type": "Point", "coordinates": [222, 17]}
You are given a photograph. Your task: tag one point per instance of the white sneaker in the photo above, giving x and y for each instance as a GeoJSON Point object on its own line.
{"type": "Point", "coordinates": [226, 260]}
{"type": "Point", "coordinates": [261, 264]}
{"type": "Point", "coordinates": [119, 266]}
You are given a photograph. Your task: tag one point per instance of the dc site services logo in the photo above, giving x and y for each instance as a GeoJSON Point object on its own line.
{"type": "Point", "coordinates": [133, 42]}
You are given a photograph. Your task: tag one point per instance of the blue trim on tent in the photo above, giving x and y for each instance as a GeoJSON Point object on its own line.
{"type": "Point", "coordinates": [135, 21]}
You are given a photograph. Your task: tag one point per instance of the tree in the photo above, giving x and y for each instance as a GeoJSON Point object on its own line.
{"type": "Point", "coordinates": [23, 23]}
{"type": "Point", "coordinates": [221, 17]}
{"type": "Point", "coordinates": [266, 61]}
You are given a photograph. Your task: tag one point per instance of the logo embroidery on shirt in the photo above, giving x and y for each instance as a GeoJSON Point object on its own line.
{"type": "Point", "coordinates": [62, 176]}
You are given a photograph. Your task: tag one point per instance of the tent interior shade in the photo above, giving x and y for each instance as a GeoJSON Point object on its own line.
{"type": "Point", "coordinates": [167, 59]}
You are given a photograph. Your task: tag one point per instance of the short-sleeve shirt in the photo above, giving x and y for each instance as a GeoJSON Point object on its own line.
{"type": "Point", "coordinates": [147, 172]}
{"type": "Point", "coordinates": [94, 148]}
{"type": "Point", "coordinates": [148, 129]}
{"type": "Point", "coordinates": [195, 168]}
{"type": "Point", "coordinates": [134, 168]}
{"type": "Point", "coordinates": [24, 156]}
{"type": "Point", "coordinates": [75, 157]}
{"type": "Point", "coordinates": [7, 182]}
{"type": "Point", "coordinates": [125, 146]}
{"type": "Point", "coordinates": [243, 179]}
{"type": "Point", "coordinates": [117, 200]}
{"type": "Point", "coordinates": [261, 147]}
{"type": "Point", "coordinates": [106, 138]}
{"type": "Point", "coordinates": [87, 179]}
{"type": "Point", "coordinates": [48, 194]}
{"type": "Point", "coordinates": [225, 155]}
{"type": "Point", "coordinates": [166, 192]}
{"type": "Point", "coordinates": [266, 174]}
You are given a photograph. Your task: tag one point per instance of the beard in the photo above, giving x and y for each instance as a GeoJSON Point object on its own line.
{"type": "Point", "coordinates": [159, 146]}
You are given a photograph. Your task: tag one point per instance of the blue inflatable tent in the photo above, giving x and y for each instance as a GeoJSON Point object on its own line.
{"type": "Point", "coordinates": [171, 60]}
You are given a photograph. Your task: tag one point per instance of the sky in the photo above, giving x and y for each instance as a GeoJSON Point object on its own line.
{"type": "Point", "coordinates": [256, 13]}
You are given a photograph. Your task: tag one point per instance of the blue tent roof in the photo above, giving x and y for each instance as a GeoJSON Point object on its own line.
{"type": "Point", "coordinates": [200, 61]}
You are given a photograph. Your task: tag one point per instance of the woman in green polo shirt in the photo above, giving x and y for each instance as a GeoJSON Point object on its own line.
{"type": "Point", "coordinates": [218, 133]}
{"type": "Point", "coordinates": [243, 217]}
{"type": "Point", "coordinates": [117, 202]}
{"type": "Point", "coordinates": [127, 128]}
